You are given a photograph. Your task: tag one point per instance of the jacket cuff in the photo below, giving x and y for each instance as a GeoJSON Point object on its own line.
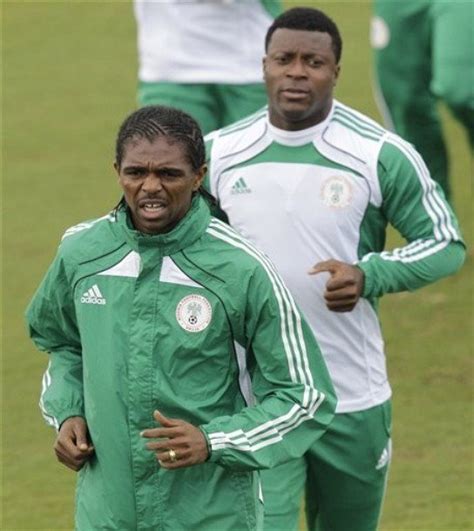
{"type": "Point", "coordinates": [213, 455]}
{"type": "Point", "coordinates": [365, 267]}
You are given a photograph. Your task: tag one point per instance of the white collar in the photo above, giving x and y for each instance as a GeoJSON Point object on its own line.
{"type": "Point", "coordinates": [298, 138]}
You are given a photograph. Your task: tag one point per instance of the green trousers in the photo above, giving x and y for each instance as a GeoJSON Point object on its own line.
{"type": "Point", "coordinates": [424, 52]}
{"type": "Point", "coordinates": [343, 477]}
{"type": "Point", "coordinates": [212, 105]}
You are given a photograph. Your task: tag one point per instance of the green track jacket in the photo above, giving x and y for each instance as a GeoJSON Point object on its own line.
{"type": "Point", "coordinates": [195, 323]}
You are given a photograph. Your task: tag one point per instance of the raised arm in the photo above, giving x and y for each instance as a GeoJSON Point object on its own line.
{"type": "Point", "coordinates": [52, 325]}
{"type": "Point", "coordinates": [291, 400]}
{"type": "Point", "coordinates": [295, 400]}
{"type": "Point", "coordinates": [415, 206]}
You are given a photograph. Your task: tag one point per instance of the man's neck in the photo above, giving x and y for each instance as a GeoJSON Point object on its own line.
{"type": "Point", "coordinates": [287, 123]}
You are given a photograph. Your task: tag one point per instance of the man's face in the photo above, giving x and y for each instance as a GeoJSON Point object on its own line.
{"type": "Point", "coordinates": [300, 72]}
{"type": "Point", "coordinates": [158, 182]}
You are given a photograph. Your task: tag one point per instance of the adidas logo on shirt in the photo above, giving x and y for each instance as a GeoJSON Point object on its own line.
{"type": "Point", "coordinates": [240, 187]}
{"type": "Point", "coordinates": [93, 296]}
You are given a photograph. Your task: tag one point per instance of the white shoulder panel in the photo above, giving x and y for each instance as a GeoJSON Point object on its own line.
{"type": "Point", "coordinates": [87, 225]}
{"type": "Point", "coordinates": [236, 144]}
{"type": "Point", "coordinates": [354, 140]}
{"type": "Point", "coordinates": [171, 273]}
{"type": "Point", "coordinates": [127, 267]}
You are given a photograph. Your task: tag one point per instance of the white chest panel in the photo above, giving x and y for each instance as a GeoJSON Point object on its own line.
{"type": "Point", "coordinates": [318, 209]}
{"type": "Point", "coordinates": [299, 215]}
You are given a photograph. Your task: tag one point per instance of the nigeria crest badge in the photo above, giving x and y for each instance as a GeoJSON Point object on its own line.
{"type": "Point", "coordinates": [336, 192]}
{"type": "Point", "coordinates": [194, 313]}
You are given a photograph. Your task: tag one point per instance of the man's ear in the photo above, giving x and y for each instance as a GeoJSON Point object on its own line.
{"type": "Point", "coordinates": [200, 174]}
{"type": "Point", "coordinates": [117, 169]}
{"type": "Point", "coordinates": [264, 65]}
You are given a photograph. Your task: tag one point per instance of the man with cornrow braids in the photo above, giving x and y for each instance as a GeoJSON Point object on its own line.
{"type": "Point", "coordinates": [314, 184]}
{"type": "Point", "coordinates": [179, 364]}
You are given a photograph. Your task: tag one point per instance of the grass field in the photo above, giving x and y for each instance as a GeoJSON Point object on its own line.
{"type": "Point", "coordinates": [68, 79]}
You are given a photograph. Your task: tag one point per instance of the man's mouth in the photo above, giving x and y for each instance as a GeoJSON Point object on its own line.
{"type": "Point", "coordinates": [292, 93]}
{"type": "Point", "coordinates": [151, 206]}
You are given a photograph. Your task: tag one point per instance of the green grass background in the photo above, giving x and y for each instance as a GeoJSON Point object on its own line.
{"type": "Point", "coordinates": [68, 79]}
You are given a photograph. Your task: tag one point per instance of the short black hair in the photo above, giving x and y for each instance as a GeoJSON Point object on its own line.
{"type": "Point", "coordinates": [157, 120]}
{"type": "Point", "coordinates": [307, 19]}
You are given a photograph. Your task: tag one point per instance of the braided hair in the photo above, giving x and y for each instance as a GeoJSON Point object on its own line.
{"type": "Point", "coordinates": [157, 120]}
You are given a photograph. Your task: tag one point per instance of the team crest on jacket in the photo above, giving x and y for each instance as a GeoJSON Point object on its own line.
{"type": "Point", "coordinates": [336, 192]}
{"type": "Point", "coordinates": [194, 313]}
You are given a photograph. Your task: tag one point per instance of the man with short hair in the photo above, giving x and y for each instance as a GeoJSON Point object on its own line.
{"type": "Point", "coordinates": [314, 183]}
{"type": "Point", "coordinates": [173, 343]}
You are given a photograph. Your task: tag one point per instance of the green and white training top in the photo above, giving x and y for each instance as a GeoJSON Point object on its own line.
{"type": "Point", "coordinates": [329, 192]}
{"type": "Point", "coordinates": [203, 42]}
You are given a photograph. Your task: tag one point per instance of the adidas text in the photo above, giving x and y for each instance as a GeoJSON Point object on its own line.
{"type": "Point", "coordinates": [93, 296]}
{"type": "Point", "coordinates": [93, 300]}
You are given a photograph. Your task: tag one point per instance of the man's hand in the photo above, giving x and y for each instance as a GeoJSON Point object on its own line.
{"type": "Point", "coordinates": [72, 446]}
{"type": "Point", "coordinates": [344, 287]}
{"type": "Point", "coordinates": [181, 444]}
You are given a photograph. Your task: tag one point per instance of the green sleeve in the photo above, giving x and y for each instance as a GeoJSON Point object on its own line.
{"type": "Point", "coordinates": [414, 204]}
{"type": "Point", "coordinates": [295, 399]}
{"type": "Point", "coordinates": [52, 326]}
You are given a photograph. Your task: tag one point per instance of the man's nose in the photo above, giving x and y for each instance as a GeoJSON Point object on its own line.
{"type": "Point", "coordinates": [152, 183]}
{"type": "Point", "coordinates": [296, 69]}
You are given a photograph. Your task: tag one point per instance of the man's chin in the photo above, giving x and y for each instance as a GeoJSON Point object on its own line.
{"type": "Point", "coordinates": [296, 113]}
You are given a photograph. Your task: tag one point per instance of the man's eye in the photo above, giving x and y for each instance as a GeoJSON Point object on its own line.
{"type": "Point", "coordinates": [134, 172]}
{"type": "Point", "coordinates": [315, 63]}
{"type": "Point", "coordinates": [282, 59]}
{"type": "Point", "coordinates": [169, 174]}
